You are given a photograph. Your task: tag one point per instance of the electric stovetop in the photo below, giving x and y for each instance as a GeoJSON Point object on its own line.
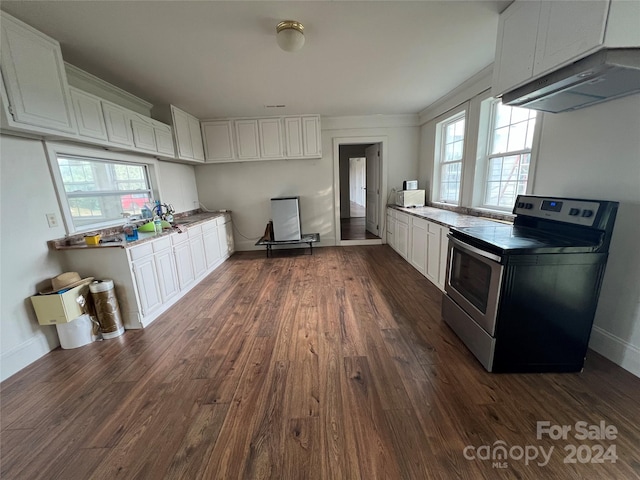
{"type": "Point", "coordinates": [513, 240]}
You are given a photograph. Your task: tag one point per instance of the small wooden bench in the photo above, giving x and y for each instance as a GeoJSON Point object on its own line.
{"type": "Point", "coordinates": [309, 238]}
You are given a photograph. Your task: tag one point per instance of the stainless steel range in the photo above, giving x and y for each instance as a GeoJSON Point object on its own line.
{"type": "Point", "coordinates": [522, 297]}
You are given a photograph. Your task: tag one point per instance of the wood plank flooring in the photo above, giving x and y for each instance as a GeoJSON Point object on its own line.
{"type": "Point", "coordinates": [355, 228]}
{"type": "Point", "coordinates": [331, 366]}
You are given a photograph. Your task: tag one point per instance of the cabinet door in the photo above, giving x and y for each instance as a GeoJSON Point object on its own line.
{"type": "Point", "coordinates": [167, 275]}
{"type": "Point", "coordinates": [164, 142]}
{"type": "Point", "coordinates": [222, 238]}
{"type": "Point", "coordinates": [184, 265]}
{"type": "Point", "coordinates": [515, 45]}
{"type": "Point", "coordinates": [211, 246]}
{"type": "Point", "coordinates": [34, 77]}
{"type": "Point", "coordinates": [198, 256]}
{"type": "Point", "coordinates": [89, 117]}
{"type": "Point", "coordinates": [247, 138]}
{"type": "Point", "coordinates": [568, 31]}
{"type": "Point", "coordinates": [293, 136]}
{"type": "Point", "coordinates": [218, 142]}
{"type": "Point", "coordinates": [402, 239]}
{"type": "Point", "coordinates": [311, 140]}
{"type": "Point", "coordinates": [231, 247]}
{"type": "Point", "coordinates": [444, 251]}
{"type": "Point", "coordinates": [391, 228]}
{"type": "Point", "coordinates": [147, 284]}
{"type": "Point", "coordinates": [118, 125]}
{"type": "Point", "coordinates": [144, 137]}
{"type": "Point", "coordinates": [182, 133]}
{"type": "Point", "coordinates": [270, 138]}
{"type": "Point", "coordinates": [196, 138]}
{"type": "Point", "coordinates": [433, 252]}
{"type": "Point", "coordinates": [418, 253]}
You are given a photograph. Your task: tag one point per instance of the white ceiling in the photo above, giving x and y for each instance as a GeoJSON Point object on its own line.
{"type": "Point", "coordinates": [218, 59]}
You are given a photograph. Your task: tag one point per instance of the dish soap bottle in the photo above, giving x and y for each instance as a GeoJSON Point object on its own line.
{"type": "Point", "coordinates": [130, 230]}
{"type": "Point", "coordinates": [157, 224]}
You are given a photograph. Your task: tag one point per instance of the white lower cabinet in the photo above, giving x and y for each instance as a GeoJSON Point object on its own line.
{"type": "Point", "coordinates": [419, 241]}
{"type": "Point", "coordinates": [197, 256]}
{"type": "Point", "coordinates": [167, 275]}
{"type": "Point", "coordinates": [424, 244]}
{"type": "Point", "coordinates": [211, 244]}
{"type": "Point", "coordinates": [147, 283]}
{"type": "Point", "coordinates": [184, 265]}
{"type": "Point", "coordinates": [402, 235]}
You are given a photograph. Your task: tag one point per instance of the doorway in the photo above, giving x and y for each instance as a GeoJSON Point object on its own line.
{"type": "Point", "coordinates": [359, 190]}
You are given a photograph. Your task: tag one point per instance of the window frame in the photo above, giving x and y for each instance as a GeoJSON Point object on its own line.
{"type": "Point", "coordinates": [488, 111]}
{"type": "Point", "coordinates": [442, 123]}
{"type": "Point", "coordinates": [55, 150]}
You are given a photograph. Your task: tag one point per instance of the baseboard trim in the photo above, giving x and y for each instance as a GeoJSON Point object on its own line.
{"type": "Point", "coordinates": [368, 241]}
{"type": "Point", "coordinates": [24, 354]}
{"type": "Point", "coordinates": [616, 349]}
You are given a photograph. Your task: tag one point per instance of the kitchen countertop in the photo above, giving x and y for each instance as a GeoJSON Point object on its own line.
{"type": "Point", "coordinates": [447, 218]}
{"type": "Point", "coordinates": [185, 222]}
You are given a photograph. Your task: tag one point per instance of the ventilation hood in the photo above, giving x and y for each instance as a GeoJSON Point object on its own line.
{"type": "Point", "coordinates": [602, 76]}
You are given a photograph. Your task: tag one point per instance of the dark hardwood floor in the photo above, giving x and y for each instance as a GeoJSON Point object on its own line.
{"type": "Point", "coordinates": [355, 228]}
{"type": "Point", "coordinates": [331, 366]}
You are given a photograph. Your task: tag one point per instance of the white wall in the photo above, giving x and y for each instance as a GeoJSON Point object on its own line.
{"type": "Point", "coordinates": [26, 195]}
{"type": "Point", "coordinates": [595, 153]}
{"type": "Point", "coordinates": [177, 183]}
{"type": "Point", "coordinates": [245, 188]}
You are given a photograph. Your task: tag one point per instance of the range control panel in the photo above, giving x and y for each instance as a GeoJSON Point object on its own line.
{"type": "Point", "coordinates": [579, 212]}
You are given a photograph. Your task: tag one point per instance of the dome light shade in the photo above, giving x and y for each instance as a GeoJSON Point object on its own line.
{"type": "Point", "coordinates": [290, 35]}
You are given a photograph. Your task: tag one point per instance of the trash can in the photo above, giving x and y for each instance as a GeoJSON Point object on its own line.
{"type": "Point", "coordinates": [76, 333]}
{"type": "Point", "coordinates": [105, 302]}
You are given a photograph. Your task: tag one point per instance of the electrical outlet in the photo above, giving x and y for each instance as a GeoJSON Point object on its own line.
{"type": "Point", "coordinates": [52, 220]}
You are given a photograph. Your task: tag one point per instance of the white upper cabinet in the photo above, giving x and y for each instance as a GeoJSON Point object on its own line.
{"type": "Point", "coordinates": [218, 141]}
{"type": "Point", "coordinates": [567, 30]}
{"type": "Point", "coordinates": [293, 136]}
{"type": "Point", "coordinates": [247, 139]}
{"type": "Point", "coordinates": [196, 138]}
{"type": "Point", "coordinates": [516, 45]}
{"type": "Point", "coordinates": [537, 37]}
{"type": "Point", "coordinates": [35, 79]}
{"type": "Point", "coordinates": [118, 123]}
{"type": "Point", "coordinates": [164, 140]}
{"type": "Point", "coordinates": [311, 137]}
{"type": "Point", "coordinates": [89, 118]}
{"type": "Point", "coordinates": [144, 136]}
{"type": "Point", "coordinates": [269, 138]}
{"type": "Point", "coordinates": [270, 132]}
{"type": "Point", "coordinates": [182, 133]}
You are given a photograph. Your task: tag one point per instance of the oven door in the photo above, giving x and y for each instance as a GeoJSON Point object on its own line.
{"type": "Point", "coordinates": [473, 281]}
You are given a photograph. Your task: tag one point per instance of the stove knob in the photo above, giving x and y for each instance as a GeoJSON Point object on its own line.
{"type": "Point", "coordinates": [574, 211]}
{"type": "Point", "coordinates": [587, 213]}
{"type": "Point", "coordinates": [528, 206]}
{"type": "Point", "coordinates": [520, 204]}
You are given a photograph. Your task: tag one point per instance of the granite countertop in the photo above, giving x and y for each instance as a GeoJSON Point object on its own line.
{"type": "Point", "coordinates": [115, 237]}
{"type": "Point", "coordinates": [447, 218]}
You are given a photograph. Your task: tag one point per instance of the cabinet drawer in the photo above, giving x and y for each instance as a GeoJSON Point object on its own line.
{"type": "Point", "coordinates": [420, 223]}
{"type": "Point", "coordinates": [141, 251]}
{"type": "Point", "coordinates": [403, 218]}
{"type": "Point", "coordinates": [194, 231]}
{"type": "Point", "coordinates": [179, 238]}
{"type": "Point", "coordinates": [434, 227]}
{"type": "Point", "coordinates": [211, 225]}
{"type": "Point", "coordinates": [161, 244]}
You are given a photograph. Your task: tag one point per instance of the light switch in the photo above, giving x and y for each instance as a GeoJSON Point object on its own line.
{"type": "Point", "coordinates": [52, 219]}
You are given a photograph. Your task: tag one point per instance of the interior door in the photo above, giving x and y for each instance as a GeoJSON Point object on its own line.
{"type": "Point", "coordinates": [372, 154]}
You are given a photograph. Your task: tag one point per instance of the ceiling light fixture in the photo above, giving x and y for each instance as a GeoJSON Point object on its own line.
{"type": "Point", "coordinates": [290, 35]}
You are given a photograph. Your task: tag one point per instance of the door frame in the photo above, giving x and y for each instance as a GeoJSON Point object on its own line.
{"type": "Point", "coordinates": [383, 140]}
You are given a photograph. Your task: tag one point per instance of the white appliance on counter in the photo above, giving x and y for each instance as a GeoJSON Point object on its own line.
{"type": "Point", "coordinates": [285, 213]}
{"type": "Point", "coordinates": [410, 198]}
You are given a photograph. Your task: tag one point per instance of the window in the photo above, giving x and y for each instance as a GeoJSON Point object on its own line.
{"type": "Point", "coordinates": [508, 157]}
{"type": "Point", "coordinates": [98, 192]}
{"type": "Point", "coordinates": [450, 152]}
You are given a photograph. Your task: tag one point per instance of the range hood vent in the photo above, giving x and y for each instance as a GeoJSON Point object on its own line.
{"type": "Point", "coordinates": [602, 76]}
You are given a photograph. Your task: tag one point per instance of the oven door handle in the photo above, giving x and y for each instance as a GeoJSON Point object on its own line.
{"type": "Point", "coordinates": [465, 246]}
